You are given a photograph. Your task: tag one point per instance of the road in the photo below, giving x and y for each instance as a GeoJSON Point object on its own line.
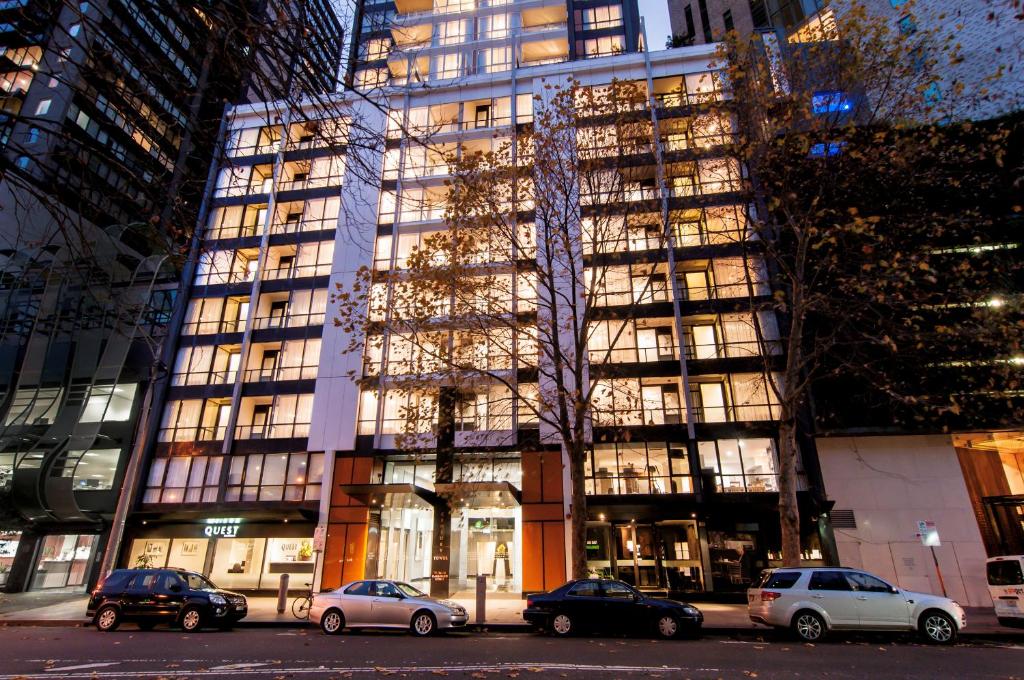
{"type": "Point", "coordinates": [272, 654]}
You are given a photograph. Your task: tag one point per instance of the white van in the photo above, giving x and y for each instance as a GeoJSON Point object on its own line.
{"type": "Point", "coordinates": [1006, 586]}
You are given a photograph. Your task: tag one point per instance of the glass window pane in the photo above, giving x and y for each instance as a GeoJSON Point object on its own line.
{"type": "Point", "coordinates": [213, 471]}
{"type": "Point", "coordinates": [177, 471]}
{"type": "Point", "coordinates": [252, 469]}
{"type": "Point", "coordinates": [235, 472]}
{"type": "Point", "coordinates": [195, 478]}
{"type": "Point", "coordinates": [274, 467]}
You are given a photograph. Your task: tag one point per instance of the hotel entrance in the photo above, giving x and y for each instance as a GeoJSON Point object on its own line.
{"type": "Point", "coordinates": [486, 542]}
{"type": "Point", "coordinates": [405, 542]}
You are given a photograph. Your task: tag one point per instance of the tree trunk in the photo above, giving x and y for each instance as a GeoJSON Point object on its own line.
{"type": "Point", "coordinates": [578, 528]}
{"type": "Point", "coordinates": [789, 512]}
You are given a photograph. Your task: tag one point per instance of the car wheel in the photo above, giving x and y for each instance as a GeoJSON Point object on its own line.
{"type": "Point", "coordinates": [561, 624]}
{"type": "Point", "coordinates": [809, 626]}
{"type": "Point", "coordinates": [332, 622]}
{"type": "Point", "coordinates": [422, 624]}
{"type": "Point", "coordinates": [937, 628]}
{"type": "Point", "coordinates": [191, 620]}
{"type": "Point", "coordinates": [108, 619]}
{"type": "Point", "coordinates": [668, 626]}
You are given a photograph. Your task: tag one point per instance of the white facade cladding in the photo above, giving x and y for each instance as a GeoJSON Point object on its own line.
{"type": "Point", "coordinates": [278, 412]}
{"type": "Point", "coordinates": [890, 484]}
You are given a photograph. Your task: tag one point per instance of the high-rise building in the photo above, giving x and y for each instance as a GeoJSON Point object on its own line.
{"type": "Point", "coordinates": [270, 429]}
{"type": "Point", "coordinates": [976, 43]}
{"type": "Point", "coordinates": [109, 114]}
{"type": "Point", "coordinates": [417, 41]}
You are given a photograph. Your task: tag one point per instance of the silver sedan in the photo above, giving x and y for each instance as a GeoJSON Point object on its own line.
{"type": "Point", "coordinates": [384, 604]}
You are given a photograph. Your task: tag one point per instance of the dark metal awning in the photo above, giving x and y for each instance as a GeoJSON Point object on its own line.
{"type": "Point", "coordinates": [392, 495]}
{"type": "Point", "coordinates": [479, 494]}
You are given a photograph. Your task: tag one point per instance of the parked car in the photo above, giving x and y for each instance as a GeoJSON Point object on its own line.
{"type": "Point", "coordinates": [601, 605]}
{"type": "Point", "coordinates": [813, 601]}
{"type": "Point", "coordinates": [384, 604]}
{"type": "Point", "coordinates": [175, 596]}
{"type": "Point", "coordinates": [1006, 586]}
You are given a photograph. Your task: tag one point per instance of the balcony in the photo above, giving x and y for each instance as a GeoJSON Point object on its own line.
{"type": "Point", "coordinates": [288, 321]}
{"type": "Point", "coordinates": [279, 373]}
{"type": "Point", "coordinates": [193, 378]}
{"type": "Point", "coordinates": [212, 327]}
{"type": "Point", "coordinates": [192, 434]}
{"type": "Point", "coordinates": [272, 431]}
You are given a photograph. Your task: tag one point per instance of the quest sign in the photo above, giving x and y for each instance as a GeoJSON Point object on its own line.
{"type": "Point", "coordinates": [222, 527]}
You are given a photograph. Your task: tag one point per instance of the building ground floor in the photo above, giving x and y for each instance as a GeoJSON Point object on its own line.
{"type": "Point", "coordinates": [59, 558]}
{"type": "Point", "coordinates": [504, 515]}
{"type": "Point", "coordinates": [237, 550]}
{"type": "Point", "coordinates": [969, 488]}
{"type": "Point", "coordinates": [442, 537]}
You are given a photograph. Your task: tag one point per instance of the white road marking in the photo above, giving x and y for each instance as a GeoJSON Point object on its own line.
{"type": "Point", "coordinates": [238, 666]}
{"type": "Point", "coordinates": [81, 666]}
{"type": "Point", "coordinates": [486, 668]}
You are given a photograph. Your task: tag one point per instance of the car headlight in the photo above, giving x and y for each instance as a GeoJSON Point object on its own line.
{"type": "Point", "coordinates": [453, 607]}
{"type": "Point", "coordinates": [217, 599]}
{"type": "Point", "coordinates": [691, 611]}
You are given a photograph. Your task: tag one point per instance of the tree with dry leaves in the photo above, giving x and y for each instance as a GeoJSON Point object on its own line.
{"type": "Point", "coordinates": [886, 234]}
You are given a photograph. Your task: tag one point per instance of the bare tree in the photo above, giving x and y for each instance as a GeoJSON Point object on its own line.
{"type": "Point", "coordinates": [511, 305]}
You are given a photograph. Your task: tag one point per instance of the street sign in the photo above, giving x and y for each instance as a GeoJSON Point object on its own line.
{"type": "Point", "coordinates": [928, 533]}
{"type": "Point", "coordinates": [319, 538]}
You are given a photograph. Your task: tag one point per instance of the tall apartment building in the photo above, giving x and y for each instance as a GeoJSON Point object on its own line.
{"type": "Point", "coordinates": [884, 478]}
{"type": "Point", "coordinates": [271, 429]}
{"type": "Point", "coordinates": [109, 114]}
{"type": "Point", "coordinates": [986, 34]}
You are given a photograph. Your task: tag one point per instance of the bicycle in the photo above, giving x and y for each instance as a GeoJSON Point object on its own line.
{"type": "Point", "coordinates": [302, 604]}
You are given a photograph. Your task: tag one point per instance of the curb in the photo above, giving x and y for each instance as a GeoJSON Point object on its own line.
{"type": "Point", "coordinates": [707, 631]}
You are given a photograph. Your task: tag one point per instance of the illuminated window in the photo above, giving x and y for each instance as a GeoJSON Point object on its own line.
{"type": "Point", "coordinates": [608, 16]}
{"type": "Point", "coordinates": [603, 46]}
{"type": "Point", "coordinates": [832, 101]}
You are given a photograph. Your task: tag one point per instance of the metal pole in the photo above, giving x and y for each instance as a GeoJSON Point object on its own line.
{"type": "Point", "coordinates": [481, 598]}
{"type": "Point", "coordinates": [942, 584]}
{"type": "Point", "coordinates": [282, 593]}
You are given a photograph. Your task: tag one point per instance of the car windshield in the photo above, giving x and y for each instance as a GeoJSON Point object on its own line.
{"type": "Point", "coordinates": [408, 590]}
{"type": "Point", "coordinates": [198, 582]}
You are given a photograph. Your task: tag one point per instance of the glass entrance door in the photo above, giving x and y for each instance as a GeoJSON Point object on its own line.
{"type": "Point", "coordinates": [486, 541]}
{"type": "Point", "coordinates": [406, 541]}
{"type": "Point", "coordinates": [64, 561]}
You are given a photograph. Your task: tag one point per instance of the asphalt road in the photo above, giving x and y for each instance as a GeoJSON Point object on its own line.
{"type": "Point", "coordinates": [274, 654]}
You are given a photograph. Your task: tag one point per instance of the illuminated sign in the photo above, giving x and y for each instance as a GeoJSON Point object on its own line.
{"type": "Point", "coordinates": [223, 527]}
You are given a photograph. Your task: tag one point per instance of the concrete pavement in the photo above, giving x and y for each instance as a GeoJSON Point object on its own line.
{"type": "Point", "coordinates": [502, 611]}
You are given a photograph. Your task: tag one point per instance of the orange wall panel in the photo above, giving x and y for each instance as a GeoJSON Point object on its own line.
{"type": "Point", "coordinates": [551, 477]}
{"type": "Point", "coordinates": [554, 555]}
{"type": "Point", "coordinates": [533, 556]}
{"type": "Point", "coordinates": [532, 474]}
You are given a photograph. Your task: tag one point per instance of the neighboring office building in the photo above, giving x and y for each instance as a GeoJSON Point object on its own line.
{"type": "Point", "coordinates": [987, 33]}
{"type": "Point", "coordinates": [109, 116]}
{"type": "Point", "coordinates": [264, 433]}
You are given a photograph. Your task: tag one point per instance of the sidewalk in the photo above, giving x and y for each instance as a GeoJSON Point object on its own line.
{"type": "Point", "coordinates": [503, 611]}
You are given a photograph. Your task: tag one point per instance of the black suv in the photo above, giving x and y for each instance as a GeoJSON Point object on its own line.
{"type": "Point", "coordinates": [152, 596]}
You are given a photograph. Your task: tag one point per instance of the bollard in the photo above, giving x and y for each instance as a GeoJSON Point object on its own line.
{"type": "Point", "coordinates": [282, 594]}
{"type": "Point", "coordinates": [481, 598]}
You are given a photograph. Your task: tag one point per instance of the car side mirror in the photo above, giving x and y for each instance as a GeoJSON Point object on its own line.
{"type": "Point", "coordinates": [894, 590]}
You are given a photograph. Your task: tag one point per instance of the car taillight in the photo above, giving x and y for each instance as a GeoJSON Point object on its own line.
{"type": "Point", "coordinates": [529, 602]}
{"type": "Point", "coordinates": [769, 596]}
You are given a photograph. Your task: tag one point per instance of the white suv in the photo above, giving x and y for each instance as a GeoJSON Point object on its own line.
{"type": "Point", "coordinates": [812, 601]}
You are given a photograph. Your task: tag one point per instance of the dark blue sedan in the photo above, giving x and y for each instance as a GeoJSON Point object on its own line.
{"type": "Point", "coordinates": [598, 605]}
